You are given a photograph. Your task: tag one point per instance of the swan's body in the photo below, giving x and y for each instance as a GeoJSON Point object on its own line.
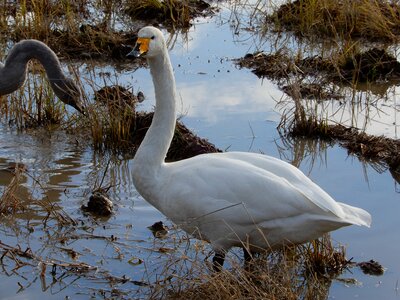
{"type": "Point", "coordinates": [13, 72]}
{"type": "Point", "coordinates": [229, 199]}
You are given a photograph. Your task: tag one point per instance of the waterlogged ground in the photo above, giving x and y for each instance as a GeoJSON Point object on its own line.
{"type": "Point", "coordinates": [119, 256]}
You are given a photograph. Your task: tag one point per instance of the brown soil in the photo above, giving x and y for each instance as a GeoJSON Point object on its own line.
{"type": "Point", "coordinates": [374, 64]}
{"type": "Point", "coordinates": [371, 267]}
{"type": "Point", "coordinates": [316, 91]}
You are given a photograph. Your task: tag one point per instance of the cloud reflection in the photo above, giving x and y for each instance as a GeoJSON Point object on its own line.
{"type": "Point", "coordinates": [214, 100]}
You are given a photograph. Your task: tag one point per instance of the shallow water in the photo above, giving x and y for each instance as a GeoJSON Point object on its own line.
{"type": "Point", "coordinates": [234, 110]}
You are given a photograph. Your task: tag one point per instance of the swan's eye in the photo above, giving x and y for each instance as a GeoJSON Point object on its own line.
{"type": "Point", "coordinates": [153, 37]}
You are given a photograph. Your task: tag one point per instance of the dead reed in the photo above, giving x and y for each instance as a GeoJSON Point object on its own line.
{"type": "Point", "coordinates": [303, 271]}
{"type": "Point", "coordinates": [34, 105]}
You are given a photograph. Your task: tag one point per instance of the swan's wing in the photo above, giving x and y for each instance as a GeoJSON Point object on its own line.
{"type": "Point", "coordinates": [213, 183]}
{"type": "Point", "coordinates": [292, 174]}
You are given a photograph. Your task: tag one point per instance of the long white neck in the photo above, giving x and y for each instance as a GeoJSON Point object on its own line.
{"type": "Point", "coordinates": [151, 154]}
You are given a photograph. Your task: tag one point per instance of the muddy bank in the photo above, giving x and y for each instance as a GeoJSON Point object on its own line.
{"type": "Point", "coordinates": [365, 66]}
{"type": "Point", "coordinates": [374, 149]}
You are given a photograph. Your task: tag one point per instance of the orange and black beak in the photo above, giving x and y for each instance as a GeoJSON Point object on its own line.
{"type": "Point", "coordinates": [141, 48]}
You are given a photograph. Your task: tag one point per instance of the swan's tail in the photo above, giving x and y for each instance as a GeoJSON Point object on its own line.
{"type": "Point", "coordinates": [355, 215]}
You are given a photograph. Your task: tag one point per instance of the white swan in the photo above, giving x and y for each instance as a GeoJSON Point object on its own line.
{"type": "Point", "coordinates": [13, 72]}
{"type": "Point", "coordinates": [230, 199]}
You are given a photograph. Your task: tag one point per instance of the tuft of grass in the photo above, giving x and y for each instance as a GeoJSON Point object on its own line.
{"type": "Point", "coordinates": [68, 27]}
{"type": "Point", "coordinates": [111, 129]}
{"type": "Point", "coordinates": [111, 118]}
{"type": "Point", "coordinates": [295, 272]}
{"type": "Point", "coordinates": [34, 105]}
{"type": "Point", "coordinates": [367, 19]}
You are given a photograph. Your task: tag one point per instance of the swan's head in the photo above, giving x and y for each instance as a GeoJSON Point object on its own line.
{"type": "Point", "coordinates": [150, 43]}
{"type": "Point", "coordinates": [69, 93]}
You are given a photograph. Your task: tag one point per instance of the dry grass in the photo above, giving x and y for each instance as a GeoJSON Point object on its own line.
{"type": "Point", "coordinates": [111, 128]}
{"type": "Point", "coordinates": [67, 27]}
{"type": "Point", "coordinates": [366, 19]}
{"type": "Point", "coordinates": [34, 105]}
{"type": "Point", "coordinates": [303, 271]}
{"type": "Point", "coordinates": [91, 29]}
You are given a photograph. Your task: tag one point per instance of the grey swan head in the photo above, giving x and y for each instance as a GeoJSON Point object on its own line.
{"type": "Point", "coordinates": [13, 72]}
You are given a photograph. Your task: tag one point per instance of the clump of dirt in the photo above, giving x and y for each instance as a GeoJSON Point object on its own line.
{"type": "Point", "coordinates": [159, 230]}
{"type": "Point", "coordinates": [116, 125]}
{"type": "Point", "coordinates": [273, 66]}
{"type": "Point", "coordinates": [99, 204]}
{"type": "Point", "coordinates": [316, 91]}
{"type": "Point", "coordinates": [117, 97]}
{"type": "Point", "coordinates": [371, 267]}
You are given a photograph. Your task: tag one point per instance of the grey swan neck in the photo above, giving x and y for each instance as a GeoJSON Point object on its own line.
{"type": "Point", "coordinates": [152, 152]}
{"type": "Point", "coordinates": [13, 72]}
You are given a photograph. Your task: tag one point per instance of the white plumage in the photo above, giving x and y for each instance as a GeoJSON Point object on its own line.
{"type": "Point", "coordinates": [230, 199]}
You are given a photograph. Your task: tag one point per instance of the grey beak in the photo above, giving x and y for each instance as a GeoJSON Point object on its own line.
{"type": "Point", "coordinates": [135, 53]}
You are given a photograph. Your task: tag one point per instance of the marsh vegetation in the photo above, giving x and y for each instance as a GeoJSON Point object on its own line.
{"type": "Point", "coordinates": [333, 64]}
